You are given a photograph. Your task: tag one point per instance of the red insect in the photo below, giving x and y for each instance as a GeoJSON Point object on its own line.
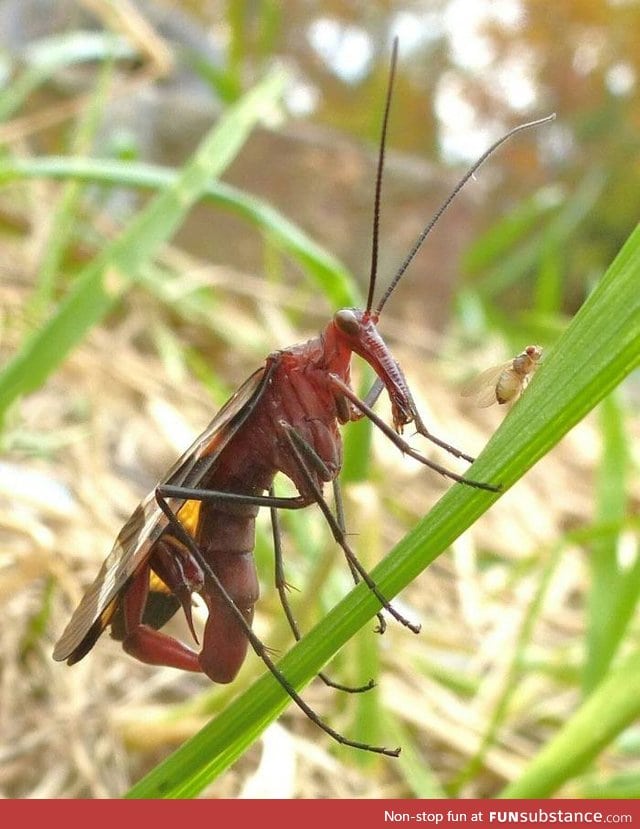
{"type": "Point", "coordinates": [195, 532]}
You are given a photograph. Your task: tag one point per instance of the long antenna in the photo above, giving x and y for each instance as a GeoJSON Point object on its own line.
{"type": "Point", "coordinates": [419, 241]}
{"type": "Point", "coordinates": [376, 204]}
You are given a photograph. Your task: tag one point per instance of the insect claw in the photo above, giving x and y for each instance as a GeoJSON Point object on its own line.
{"type": "Point", "coordinates": [360, 689]}
{"type": "Point", "coordinates": [185, 600]}
{"type": "Point", "coordinates": [481, 485]}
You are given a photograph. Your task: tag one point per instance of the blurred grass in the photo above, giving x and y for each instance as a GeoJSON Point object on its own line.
{"type": "Point", "coordinates": [69, 202]}
{"type": "Point", "coordinates": [328, 274]}
{"type": "Point", "coordinates": [513, 674]}
{"type": "Point", "coordinates": [515, 245]}
{"type": "Point", "coordinates": [615, 582]}
{"type": "Point", "coordinates": [98, 287]}
{"type": "Point", "coordinates": [611, 708]}
{"type": "Point", "coordinates": [45, 57]}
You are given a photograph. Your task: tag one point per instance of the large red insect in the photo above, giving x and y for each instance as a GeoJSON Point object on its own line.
{"type": "Point", "coordinates": [195, 532]}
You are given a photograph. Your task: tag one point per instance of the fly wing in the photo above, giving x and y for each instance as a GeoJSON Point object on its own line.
{"type": "Point", "coordinates": [136, 539]}
{"type": "Point", "coordinates": [482, 387]}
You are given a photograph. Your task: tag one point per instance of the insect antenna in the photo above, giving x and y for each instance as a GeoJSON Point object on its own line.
{"type": "Point", "coordinates": [445, 204]}
{"type": "Point", "coordinates": [376, 202]}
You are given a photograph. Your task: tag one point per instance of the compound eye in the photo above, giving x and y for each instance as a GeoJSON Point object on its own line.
{"type": "Point", "coordinates": [347, 322]}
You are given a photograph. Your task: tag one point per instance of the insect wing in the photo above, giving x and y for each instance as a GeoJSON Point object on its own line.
{"type": "Point", "coordinates": [482, 387]}
{"type": "Point", "coordinates": [136, 539]}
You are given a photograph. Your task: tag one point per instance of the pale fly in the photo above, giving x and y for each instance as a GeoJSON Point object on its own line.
{"type": "Point", "coordinates": [504, 383]}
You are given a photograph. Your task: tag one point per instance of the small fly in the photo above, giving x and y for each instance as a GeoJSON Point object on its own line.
{"type": "Point", "coordinates": [504, 383]}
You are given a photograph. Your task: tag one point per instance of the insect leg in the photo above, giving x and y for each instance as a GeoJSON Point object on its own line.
{"type": "Point", "coordinates": [281, 587]}
{"type": "Point", "coordinates": [214, 496]}
{"type": "Point", "coordinates": [402, 444]}
{"type": "Point", "coordinates": [295, 502]}
{"type": "Point", "coordinates": [173, 563]}
{"type": "Point", "coordinates": [337, 496]}
{"type": "Point", "coordinates": [374, 393]}
{"type": "Point", "coordinates": [274, 503]}
{"type": "Point", "coordinates": [304, 455]}
{"type": "Point", "coordinates": [370, 400]}
{"type": "Point", "coordinates": [254, 641]}
{"type": "Point", "coordinates": [421, 429]}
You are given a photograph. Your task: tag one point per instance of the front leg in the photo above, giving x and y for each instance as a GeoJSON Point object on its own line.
{"type": "Point", "coordinates": [362, 408]}
{"type": "Point", "coordinates": [343, 389]}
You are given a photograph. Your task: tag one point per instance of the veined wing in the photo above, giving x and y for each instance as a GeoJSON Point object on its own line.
{"type": "Point", "coordinates": [482, 387]}
{"type": "Point", "coordinates": [136, 539]}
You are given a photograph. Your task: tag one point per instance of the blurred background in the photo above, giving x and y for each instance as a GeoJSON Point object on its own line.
{"type": "Point", "coordinates": [507, 615]}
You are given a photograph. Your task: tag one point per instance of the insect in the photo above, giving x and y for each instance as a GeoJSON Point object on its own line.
{"type": "Point", "coordinates": [195, 532]}
{"type": "Point", "coordinates": [506, 382]}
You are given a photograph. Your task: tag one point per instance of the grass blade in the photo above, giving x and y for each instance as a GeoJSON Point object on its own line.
{"type": "Point", "coordinates": [101, 283]}
{"type": "Point", "coordinates": [65, 211]}
{"type": "Point", "coordinates": [327, 272]}
{"type": "Point", "coordinates": [557, 232]}
{"type": "Point", "coordinates": [614, 584]}
{"type": "Point", "coordinates": [43, 58]}
{"type": "Point", "coordinates": [612, 706]}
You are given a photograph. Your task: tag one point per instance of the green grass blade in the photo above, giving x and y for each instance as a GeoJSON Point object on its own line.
{"type": "Point", "coordinates": [101, 283]}
{"type": "Point", "coordinates": [615, 584]}
{"type": "Point", "coordinates": [510, 232]}
{"type": "Point", "coordinates": [356, 463]}
{"type": "Point", "coordinates": [418, 776]}
{"type": "Point", "coordinates": [598, 349]}
{"type": "Point", "coordinates": [611, 708]}
{"type": "Point", "coordinates": [43, 58]}
{"type": "Point", "coordinates": [328, 273]}
{"type": "Point", "coordinates": [62, 227]}
{"type": "Point", "coordinates": [557, 232]}
{"type": "Point", "coordinates": [512, 676]}
{"type": "Point", "coordinates": [620, 786]}
{"type": "Point", "coordinates": [549, 282]}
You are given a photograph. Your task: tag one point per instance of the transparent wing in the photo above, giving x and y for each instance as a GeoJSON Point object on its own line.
{"type": "Point", "coordinates": [482, 387]}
